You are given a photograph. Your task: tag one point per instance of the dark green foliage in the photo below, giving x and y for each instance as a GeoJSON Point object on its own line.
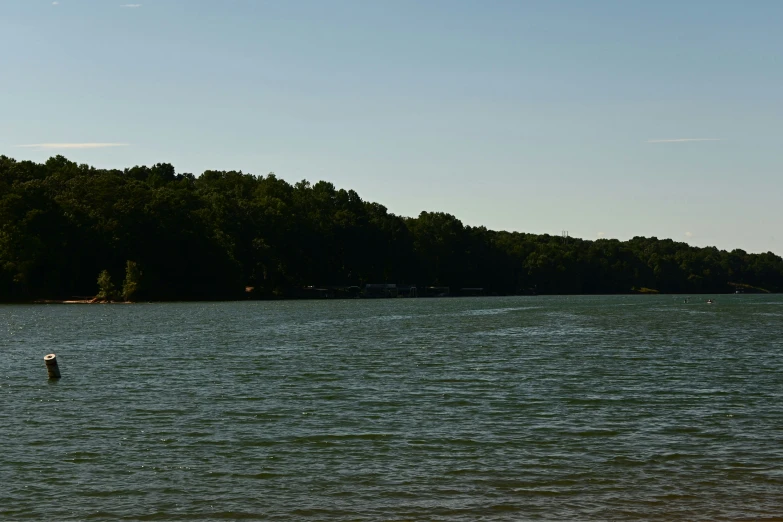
{"type": "Point", "coordinates": [106, 289]}
{"type": "Point", "coordinates": [130, 287]}
{"type": "Point", "coordinates": [211, 237]}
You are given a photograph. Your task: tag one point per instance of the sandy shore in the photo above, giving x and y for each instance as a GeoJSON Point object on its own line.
{"type": "Point", "coordinates": [76, 301]}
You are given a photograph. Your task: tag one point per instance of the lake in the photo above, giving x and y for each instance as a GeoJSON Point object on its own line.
{"type": "Point", "coordinates": [504, 408]}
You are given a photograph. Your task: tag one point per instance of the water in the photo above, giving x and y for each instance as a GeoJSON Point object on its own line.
{"type": "Point", "coordinates": [588, 408]}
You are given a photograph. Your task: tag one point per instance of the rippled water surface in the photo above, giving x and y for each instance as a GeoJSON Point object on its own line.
{"type": "Point", "coordinates": [588, 408]}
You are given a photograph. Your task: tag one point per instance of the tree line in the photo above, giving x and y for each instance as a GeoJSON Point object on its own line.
{"type": "Point", "coordinates": [229, 235]}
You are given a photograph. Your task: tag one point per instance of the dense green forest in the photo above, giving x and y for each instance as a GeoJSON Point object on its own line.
{"type": "Point", "coordinates": [216, 236]}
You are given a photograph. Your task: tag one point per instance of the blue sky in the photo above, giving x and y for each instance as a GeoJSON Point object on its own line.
{"type": "Point", "coordinates": [536, 116]}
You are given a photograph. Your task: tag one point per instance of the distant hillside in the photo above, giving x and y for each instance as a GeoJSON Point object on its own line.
{"type": "Point", "coordinates": [228, 235]}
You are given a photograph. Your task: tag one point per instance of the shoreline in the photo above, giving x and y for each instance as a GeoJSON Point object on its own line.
{"type": "Point", "coordinates": [93, 301]}
{"type": "Point", "coordinates": [71, 301]}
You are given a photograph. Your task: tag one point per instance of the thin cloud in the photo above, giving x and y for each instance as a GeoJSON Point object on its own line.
{"type": "Point", "coordinates": [55, 3]}
{"type": "Point", "coordinates": [683, 140]}
{"type": "Point", "coordinates": [601, 234]}
{"type": "Point", "coordinates": [71, 145]}
{"type": "Point", "coordinates": [689, 234]}
{"type": "Point", "coordinates": [130, 5]}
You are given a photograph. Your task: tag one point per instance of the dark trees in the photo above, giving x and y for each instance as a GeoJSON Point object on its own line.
{"type": "Point", "coordinates": [211, 237]}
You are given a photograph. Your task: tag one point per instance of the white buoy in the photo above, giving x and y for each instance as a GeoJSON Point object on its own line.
{"type": "Point", "coordinates": [51, 366]}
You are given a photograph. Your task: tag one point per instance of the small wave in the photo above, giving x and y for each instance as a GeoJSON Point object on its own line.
{"type": "Point", "coordinates": [331, 438]}
{"type": "Point", "coordinates": [102, 493]}
{"type": "Point", "coordinates": [495, 311]}
{"type": "Point", "coordinates": [538, 492]}
{"type": "Point", "coordinates": [596, 433]}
